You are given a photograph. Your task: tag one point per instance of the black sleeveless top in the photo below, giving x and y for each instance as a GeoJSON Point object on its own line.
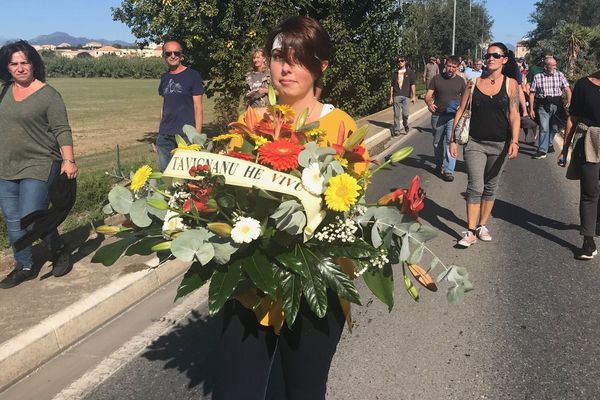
{"type": "Point", "coordinates": [489, 116]}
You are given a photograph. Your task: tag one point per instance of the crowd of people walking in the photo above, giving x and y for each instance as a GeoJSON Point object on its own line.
{"type": "Point", "coordinates": [500, 95]}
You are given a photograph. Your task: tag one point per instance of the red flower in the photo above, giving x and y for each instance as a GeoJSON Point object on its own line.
{"type": "Point", "coordinates": [410, 201]}
{"type": "Point", "coordinates": [241, 155]}
{"type": "Point", "coordinates": [199, 205]}
{"type": "Point", "coordinates": [196, 170]}
{"type": "Point", "coordinates": [281, 154]}
{"type": "Point", "coordinates": [357, 154]}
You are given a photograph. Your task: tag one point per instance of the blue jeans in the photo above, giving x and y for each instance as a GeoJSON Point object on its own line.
{"type": "Point", "coordinates": [164, 145]}
{"type": "Point", "coordinates": [19, 198]}
{"type": "Point", "coordinates": [547, 132]}
{"type": "Point", "coordinates": [400, 107]}
{"type": "Point", "coordinates": [442, 131]}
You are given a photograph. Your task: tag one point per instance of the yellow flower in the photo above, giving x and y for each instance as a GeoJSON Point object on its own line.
{"type": "Point", "coordinates": [342, 192]}
{"type": "Point", "coordinates": [315, 133]}
{"type": "Point", "coordinates": [140, 177]}
{"type": "Point", "coordinates": [182, 145]}
{"type": "Point", "coordinates": [225, 136]}
{"type": "Point", "coordinates": [230, 44]}
{"type": "Point", "coordinates": [193, 147]}
{"type": "Point", "coordinates": [342, 160]}
{"type": "Point", "coordinates": [258, 140]}
{"type": "Point", "coordinates": [286, 111]}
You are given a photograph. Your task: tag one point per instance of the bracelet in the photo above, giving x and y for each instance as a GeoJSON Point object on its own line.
{"type": "Point", "coordinates": [71, 161]}
{"type": "Point", "coordinates": [515, 143]}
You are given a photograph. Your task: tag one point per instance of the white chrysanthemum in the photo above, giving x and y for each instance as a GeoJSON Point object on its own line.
{"type": "Point", "coordinates": [173, 223]}
{"type": "Point", "coordinates": [245, 230]}
{"type": "Point", "coordinates": [312, 180]}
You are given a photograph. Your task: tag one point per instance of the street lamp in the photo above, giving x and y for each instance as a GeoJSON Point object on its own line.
{"type": "Point", "coordinates": [454, 28]}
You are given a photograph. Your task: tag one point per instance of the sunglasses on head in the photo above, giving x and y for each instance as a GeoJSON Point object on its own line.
{"type": "Point", "coordinates": [497, 56]}
{"type": "Point", "coordinates": [172, 53]}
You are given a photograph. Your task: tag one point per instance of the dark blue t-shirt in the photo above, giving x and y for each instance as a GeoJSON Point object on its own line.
{"type": "Point", "coordinates": [178, 107]}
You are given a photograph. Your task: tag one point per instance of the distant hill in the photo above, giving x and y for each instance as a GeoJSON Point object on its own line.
{"type": "Point", "coordinates": [57, 38]}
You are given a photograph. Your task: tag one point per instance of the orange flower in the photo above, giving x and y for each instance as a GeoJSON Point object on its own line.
{"type": "Point", "coordinates": [281, 154]}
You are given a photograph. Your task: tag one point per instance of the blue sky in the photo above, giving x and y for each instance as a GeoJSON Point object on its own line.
{"type": "Point", "coordinates": [92, 19]}
{"type": "Point", "coordinates": [511, 19]}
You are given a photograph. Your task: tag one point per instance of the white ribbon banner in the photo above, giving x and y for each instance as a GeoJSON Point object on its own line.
{"type": "Point", "coordinates": [244, 173]}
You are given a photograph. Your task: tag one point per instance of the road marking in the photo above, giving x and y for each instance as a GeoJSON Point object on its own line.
{"type": "Point", "coordinates": [122, 356]}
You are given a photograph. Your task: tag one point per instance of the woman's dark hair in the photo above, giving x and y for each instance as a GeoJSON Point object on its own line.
{"type": "Point", "coordinates": [510, 69]}
{"type": "Point", "coordinates": [6, 52]}
{"type": "Point", "coordinates": [308, 39]}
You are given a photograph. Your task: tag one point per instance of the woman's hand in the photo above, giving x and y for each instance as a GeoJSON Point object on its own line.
{"type": "Point", "coordinates": [69, 168]}
{"type": "Point", "coordinates": [513, 150]}
{"type": "Point", "coordinates": [453, 149]}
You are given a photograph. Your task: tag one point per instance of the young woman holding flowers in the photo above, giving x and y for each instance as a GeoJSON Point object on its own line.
{"type": "Point", "coordinates": [299, 50]}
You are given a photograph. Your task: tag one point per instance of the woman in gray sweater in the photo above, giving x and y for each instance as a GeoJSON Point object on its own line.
{"type": "Point", "coordinates": [36, 147]}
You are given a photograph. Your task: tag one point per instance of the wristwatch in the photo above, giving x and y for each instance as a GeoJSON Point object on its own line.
{"type": "Point", "coordinates": [71, 161]}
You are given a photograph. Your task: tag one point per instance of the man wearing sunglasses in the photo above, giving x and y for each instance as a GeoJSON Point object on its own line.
{"type": "Point", "coordinates": [181, 88]}
{"type": "Point", "coordinates": [403, 87]}
{"type": "Point", "coordinates": [546, 102]}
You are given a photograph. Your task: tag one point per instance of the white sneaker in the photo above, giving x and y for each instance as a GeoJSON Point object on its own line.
{"type": "Point", "coordinates": [468, 239]}
{"type": "Point", "coordinates": [483, 233]}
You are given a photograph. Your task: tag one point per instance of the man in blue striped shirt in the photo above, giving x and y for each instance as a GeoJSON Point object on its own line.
{"type": "Point", "coordinates": [546, 101]}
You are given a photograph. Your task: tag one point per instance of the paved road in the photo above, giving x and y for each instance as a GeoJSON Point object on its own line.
{"type": "Point", "coordinates": [528, 331]}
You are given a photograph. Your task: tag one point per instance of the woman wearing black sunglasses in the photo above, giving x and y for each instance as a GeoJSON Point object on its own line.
{"type": "Point", "coordinates": [493, 135]}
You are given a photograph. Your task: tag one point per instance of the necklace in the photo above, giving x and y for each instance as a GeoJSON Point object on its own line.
{"type": "Point", "coordinates": [493, 80]}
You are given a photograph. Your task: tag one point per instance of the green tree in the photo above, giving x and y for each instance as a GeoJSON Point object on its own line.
{"type": "Point", "coordinates": [427, 29]}
{"type": "Point", "coordinates": [574, 41]}
{"type": "Point", "coordinates": [218, 37]}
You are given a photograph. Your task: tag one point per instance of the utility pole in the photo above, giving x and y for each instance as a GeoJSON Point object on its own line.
{"type": "Point", "coordinates": [454, 29]}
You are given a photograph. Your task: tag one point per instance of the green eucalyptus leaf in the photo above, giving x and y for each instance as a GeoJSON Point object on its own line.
{"type": "Point", "coordinates": [405, 249]}
{"type": "Point", "coordinates": [222, 284]}
{"type": "Point", "coordinates": [422, 233]}
{"type": "Point", "coordinates": [224, 248]}
{"type": "Point", "coordinates": [120, 199]}
{"type": "Point", "coordinates": [375, 236]}
{"type": "Point", "coordinates": [455, 293]}
{"type": "Point", "coordinates": [193, 245]}
{"type": "Point", "coordinates": [417, 255]}
{"type": "Point", "coordinates": [381, 283]}
{"type": "Point", "coordinates": [139, 213]}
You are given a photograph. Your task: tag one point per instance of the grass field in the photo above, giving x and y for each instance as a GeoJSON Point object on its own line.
{"type": "Point", "coordinates": [105, 112]}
